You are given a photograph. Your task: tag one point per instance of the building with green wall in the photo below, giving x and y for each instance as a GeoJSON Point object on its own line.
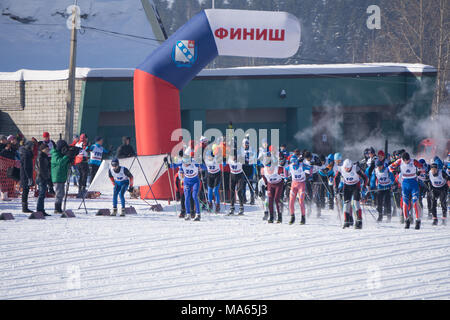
{"type": "Point", "coordinates": [313, 106]}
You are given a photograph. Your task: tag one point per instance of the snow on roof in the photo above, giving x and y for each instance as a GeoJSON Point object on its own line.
{"type": "Point", "coordinates": [302, 69]}
{"type": "Point", "coordinates": [81, 73]}
{"type": "Point", "coordinates": [317, 69]}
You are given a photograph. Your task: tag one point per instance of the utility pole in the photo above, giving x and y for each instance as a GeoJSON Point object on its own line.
{"type": "Point", "coordinates": [214, 61]}
{"type": "Point", "coordinates": [70, 100]}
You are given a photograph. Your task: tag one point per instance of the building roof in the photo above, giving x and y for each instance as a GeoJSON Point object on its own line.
{"type": "Point", "coordinates": [280, 70]}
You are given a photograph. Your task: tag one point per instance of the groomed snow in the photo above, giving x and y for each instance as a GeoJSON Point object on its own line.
{"type": "Point", "coordinates": [159, 256]}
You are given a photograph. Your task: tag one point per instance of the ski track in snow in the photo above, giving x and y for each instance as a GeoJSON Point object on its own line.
{"type": "Point", "coordinates": [155, 255]}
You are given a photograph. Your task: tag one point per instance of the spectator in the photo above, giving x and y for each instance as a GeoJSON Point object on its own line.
{"type": "Point", "coordinates": [51, 144]}
{"type": "Point", "coordinates": [8, 152]}
{"type": "Point", "coordinates": [125, 150]}
{"type": "Point", "coordinates": [96, 156]}
{"type": "Point", "coordinates": [3, 142]}
{"type": "Point", "coordinates": [26, 173]}
{"type": "Point", "coordinates": [60, 165]}
{"type": "Point", "coordinates": [81, 162]}
{"type": "Point", "coordinates": [14, 145]}
{"type": "Point", "coordinates": [43, 176]}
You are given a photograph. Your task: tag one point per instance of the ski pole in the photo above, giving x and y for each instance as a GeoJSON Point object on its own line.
{"type": "Point", "coordinates": [204, 191]}
{"type": "Point", "coordinates": [252, 188]}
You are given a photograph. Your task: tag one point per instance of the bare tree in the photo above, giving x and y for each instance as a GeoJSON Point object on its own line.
{"type": "Point", "coordinates": [418, 31]}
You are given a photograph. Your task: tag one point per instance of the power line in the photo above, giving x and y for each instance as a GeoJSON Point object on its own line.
{"type": "Point", "coordinates": [120, 33]}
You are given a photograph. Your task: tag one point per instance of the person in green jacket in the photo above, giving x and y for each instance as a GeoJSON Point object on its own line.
{"type": "Point", "coordinates": [60, 165]}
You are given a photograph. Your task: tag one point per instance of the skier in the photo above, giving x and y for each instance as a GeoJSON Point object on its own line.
{"type": "Point", "coordinates": [272, 175]}
{"type": "Point", "coordinates": [325, 173]}
{"type": "Point", "coordinates": [199, 154]}
{"type": "Point", "coordinates": [189, 169]}
{"type": "Point", "coordinates": [97, 150]}
{"type": "Point", "coordinates": [338, 196]}
{"type": "Point", "coordinates": [381, 181]}
{"type": "Point", "coordinates": [249, 158]}
{"type": "Point", "coordinates": [122, 180]}
{"type": "Point", "coordinates": [312, 164]}
{"type": "Point", "coordinates": [298, 187]}
{"type": "Point", "coordinates": [439, 190]}
{"type": "Point", "coordinates": [424, 186]}
{"type": "Point", "coordinates": [284, 151]}
{"type": "Point", "coordinates": [213, 178]}
{"type": "Point", "coordinates": [351, 174]}
{"type": "Point", "coordinates": [236, 183]}
{"type": "Point", "coordinates": [410, 186]}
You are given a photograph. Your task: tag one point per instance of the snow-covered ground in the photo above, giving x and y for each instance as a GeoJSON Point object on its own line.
{"type": "Point", "coordinates": [155, 255]}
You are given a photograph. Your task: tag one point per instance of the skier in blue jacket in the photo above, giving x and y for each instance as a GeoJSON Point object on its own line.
{"type": "Point", "coordinates": [95, 160]}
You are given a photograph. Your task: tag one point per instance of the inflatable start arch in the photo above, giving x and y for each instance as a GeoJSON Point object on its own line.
{"type": "Point", "coordinates": [159, 79]}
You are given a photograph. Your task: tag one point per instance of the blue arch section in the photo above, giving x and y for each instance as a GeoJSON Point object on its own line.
{"type": "Point", "coordinates": [160, 62]}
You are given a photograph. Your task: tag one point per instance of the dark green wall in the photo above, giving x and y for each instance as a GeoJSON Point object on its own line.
{"type": "Point", "coordinates": [303, 95]}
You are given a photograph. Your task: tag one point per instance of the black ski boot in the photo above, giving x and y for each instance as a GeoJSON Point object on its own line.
{"type": "Point", "coordinates": [435, 222]}
{"type": "Point", "coordinates": [292, 221]}
{"type": "Point", "coordinates": [197, 217]}
{"type": "Point", "coordinates": [380, 217]}
{"type": "Point", "coordinates": [407, 223]}
{"type": "Point", "coordinates": [79, 193]}
{"type": "Point", "coordinates": [252, 200]}
{"type": "Point", "coordinates": [266, 215]}
{"type": "Point", "coordinates": [25, 208]}
{"type": "Point", "coordinates": [182, 214]}
{"type": "Point", "coordinates": [417, 224]}
{"type": "Point", "coordinates": [46, 214]}
{"type": "Point", "coordinates": [358, 224]}
{"type": "Point", "coordinates": [303, 220]}
{"type": "Point", "coordinates": [58, 207]}
{"type": "Point", "coordinates": [280, 218]}
{"type": "Point", "coordinates": [270, 218]}
{"type": "Point", "coordinates": [217, 207]}
{"type": "Point", "coordinates": [210, 206]}
{"type": "Point", "coordinates": [231, 213]}
{"type": "Point", "coordinates": [241, 211]}
{"type": "Point", "coordinates": [113, 213]}
{"type": "Point", "coordinates": [346, 220]}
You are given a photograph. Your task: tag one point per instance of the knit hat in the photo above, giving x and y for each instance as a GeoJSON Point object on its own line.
{"type": "Point", "coordinates": [46, 135]}
{"type": "Point", "coordinates": [114, 162]}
